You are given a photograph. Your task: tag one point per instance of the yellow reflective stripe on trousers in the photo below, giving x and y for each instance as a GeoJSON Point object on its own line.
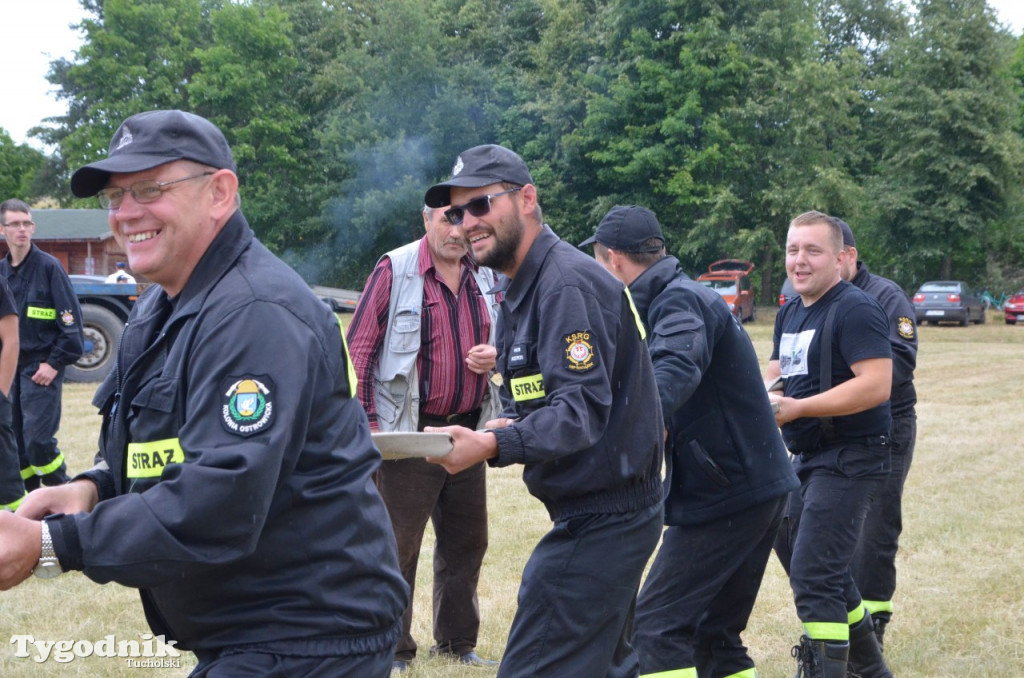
{"type": "Point", "coordinates": [148, 460]}
{"type": "Point", "coordinates": [854, 616]}
{"type": "Point", "coordinates": [827, 631]}
{"type": "Point", "coordinates": [749, 673]}
{"type": "Point", "coordinates": [636, 316]}
{"type": "Point", "coordinates": [876, 606]}
{"type": "Point", "coordinates": [674, 673]}
{"type": "Point", "coordinates": [353, 380]}
{"type": "Point", "coordinates": [28, 472]}
{"type": "Point", "coordinates": [38, 313]}
{"type": "Point", "coordinates": [13, 506]}
{"type": "Point", "coordinates": [51, 467]}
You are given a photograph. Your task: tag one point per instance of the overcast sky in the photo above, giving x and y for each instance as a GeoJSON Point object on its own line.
{"type": "Point", "coordinates": [38, 31]}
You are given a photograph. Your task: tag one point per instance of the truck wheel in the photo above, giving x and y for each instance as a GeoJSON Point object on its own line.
{"type": "Point", "coordinates": [101, 331]}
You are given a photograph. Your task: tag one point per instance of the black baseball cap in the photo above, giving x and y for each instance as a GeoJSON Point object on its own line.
{"type": "Point", "coordinates": [154, 138]}
{"type": "Point", "coordinates": [848, 239]}
{"type": "Point", "coordinates": [480, 166]}
{"type": "Point", "coordinates": [626, 228]}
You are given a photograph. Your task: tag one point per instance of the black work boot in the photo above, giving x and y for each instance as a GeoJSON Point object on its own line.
{"type": "Point", "coordinates": [821, 658]}
{"type": "Point", "coordinates": [865, 655]}
{"type": "Point", "coordinates": [880, 621]}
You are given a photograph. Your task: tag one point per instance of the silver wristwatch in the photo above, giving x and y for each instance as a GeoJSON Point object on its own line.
{"type": "Point", "coordinates": [48, 566]}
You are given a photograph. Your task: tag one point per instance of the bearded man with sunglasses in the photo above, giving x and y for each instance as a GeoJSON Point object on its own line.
{"type": "Point", "coordinates": [422, 341]}
{"type": "Point", "coordinates": [581, 416]}
{"type": "Point", "coordinates": [234, 487]}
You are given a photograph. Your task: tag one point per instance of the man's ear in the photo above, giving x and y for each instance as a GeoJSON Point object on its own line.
{"type": "Point", "coordinates": [224, 184]}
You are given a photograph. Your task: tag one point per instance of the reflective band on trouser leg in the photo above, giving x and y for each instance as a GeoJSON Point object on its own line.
{"type": "Point", "coordinates": [37, 313]}
{"type": "Point", "coordinates": [51, 467]}
{"type": "Point", "coordinates": [876, 606]}
{"type": "Point", "coordinates": [674, 673]}
{"type": "Point", "coordinates": [854, 616]}
{"type": "Point", "coordinates": [13, 506]}
{"type": "Point", "coordinates": [749, 673]}
{"type": "Point", "coordinates": [827, 631]}
{"type": "Point", "coordinates": [28, 472]}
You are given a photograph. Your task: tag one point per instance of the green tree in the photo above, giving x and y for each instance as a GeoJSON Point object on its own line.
{"type": "Point", "coordinates": [952, 164]}
{"type": "Point", "coordinates": [20, 166]}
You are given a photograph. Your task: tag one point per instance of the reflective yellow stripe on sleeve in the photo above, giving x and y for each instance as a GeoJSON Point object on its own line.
{"type": "Point", "coordinates": [148, 460]}
{"type": "Point", "coordinates": [674, 673]}
{"type": "Point", "coordinates": [353, 380]}
{"type": "Point", "coordinates": [37, 313]}
{"type": "Point", "coordinates": [636, 315]}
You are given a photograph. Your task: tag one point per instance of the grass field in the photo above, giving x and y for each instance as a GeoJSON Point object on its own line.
{"type": "Point", "coordinates": [960, 601]}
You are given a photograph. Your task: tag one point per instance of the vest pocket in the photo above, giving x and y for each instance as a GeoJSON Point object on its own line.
{"type": "Point", "coordinates": [405, 331]}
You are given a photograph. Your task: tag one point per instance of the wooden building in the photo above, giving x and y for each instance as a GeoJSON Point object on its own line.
{"type": "Point", "coordinates": [79, 238]}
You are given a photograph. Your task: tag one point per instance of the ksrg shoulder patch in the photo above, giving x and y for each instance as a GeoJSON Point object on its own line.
{"type": "Point", "coordinates": [579, 352]}
{"type": "Point", "coordinates": [905, 327]}
{"type": "Point", "coordinates": [248, 405]}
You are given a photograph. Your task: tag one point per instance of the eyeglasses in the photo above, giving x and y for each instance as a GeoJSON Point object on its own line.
{"type": "Point", "coordinates": [19, 224]}
{"type": "Point", "coordinates": [478, 207]}
{"type": "Point", "coordinates": [143, 192]}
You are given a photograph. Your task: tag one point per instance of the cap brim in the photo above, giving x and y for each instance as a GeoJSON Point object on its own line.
{"type": "Point", "coordinates": [439, 195]}
{"type": "Point", "coordinates": [589, 241]}
{"type": "Point", "coordinates": [87, 181]}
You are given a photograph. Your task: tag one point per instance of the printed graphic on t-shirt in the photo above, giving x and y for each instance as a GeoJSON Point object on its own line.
{"type": "Point", "coordinates": [793, 349]}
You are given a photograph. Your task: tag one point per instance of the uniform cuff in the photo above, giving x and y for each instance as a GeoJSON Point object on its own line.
{"type": "Point", "coordinates": [510, 447]}
{"type": "Point", "coordinates": [64, 533]}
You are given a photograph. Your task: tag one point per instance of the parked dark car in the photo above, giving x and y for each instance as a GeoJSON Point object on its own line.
{"type": "Point", "coordinates": [1013, 308]}
{"type": "Point", "coordinates": [787, 292]}
{"type": "Point", "coordinates": [948, 301]}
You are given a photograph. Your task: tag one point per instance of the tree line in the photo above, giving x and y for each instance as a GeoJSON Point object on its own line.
{"type": "Point", "coordinates": [726, 117]}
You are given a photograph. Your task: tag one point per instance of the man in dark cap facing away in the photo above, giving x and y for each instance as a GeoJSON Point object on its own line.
{"type": "Point", "coordinates": [235, 488]}
{"type": "Point", "coordinates": [728, 473]}
{"type": "Point", "coordinates": [581, 419]}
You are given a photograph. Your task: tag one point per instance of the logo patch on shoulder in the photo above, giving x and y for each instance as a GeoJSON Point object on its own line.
{"type": "Point", "coordinates": [248, 406]}
{"type": "Point", "coordinates": [579, 352]}
{"type": "Point", "coordinates": [905, 327]}
{"type": "Point", "coordinates": [67, 317]}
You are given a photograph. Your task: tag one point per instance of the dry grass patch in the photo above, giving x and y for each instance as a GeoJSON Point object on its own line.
{"type": "Point", "coordinates": [960, 601]}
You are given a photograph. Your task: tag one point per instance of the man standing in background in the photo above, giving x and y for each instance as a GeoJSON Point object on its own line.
{"type": "Point", "coordinates": [50, 329]}
{"type": "Point", "coordinates": [874, 563]}
{"type": "Point", "coordinates": [421, 341]}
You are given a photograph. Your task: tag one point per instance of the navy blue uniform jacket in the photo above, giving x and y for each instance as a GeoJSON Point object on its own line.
{"type": "Point", "coordinates": [235, 474]}
{"type": "Point", "coordinates": [725, 452]}
{"type": "Point", "coordinates": [581, 386]}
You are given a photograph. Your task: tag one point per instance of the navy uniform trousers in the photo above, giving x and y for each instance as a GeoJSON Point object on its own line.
{"type": "Point", "coordinates": [700, 591]}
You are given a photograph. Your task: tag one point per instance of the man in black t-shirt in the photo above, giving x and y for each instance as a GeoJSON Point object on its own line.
{"type": "Point", "coordinates": [12, 488]}
{"type": "Point", "coordinates": [832, 350]}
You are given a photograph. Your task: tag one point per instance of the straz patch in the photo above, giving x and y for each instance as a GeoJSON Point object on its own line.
{"type": "Point", "coordinates": [148, 460]}
{"type": "Point", "coordinates": [528, 388]}
{"type": "Point", "coordinates": [905, 326]}
{"type": "Point", "coordinates": [248, 406]}
{"type": "Point", "coordinates": [579, 352]}
{"type": "Point", "coordinates": [67, 317]}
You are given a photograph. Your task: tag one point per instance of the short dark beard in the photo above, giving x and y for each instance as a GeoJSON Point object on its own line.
{"type": "Point", "coordinates": [502, 256]}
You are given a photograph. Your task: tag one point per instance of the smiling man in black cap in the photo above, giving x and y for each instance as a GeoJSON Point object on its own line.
{"type": "Point", "coordinates": [728, 471]}
{"type": "Point", "coordinates": [579, 379]}
{"type": "Point", "coordinates": [235, 489]}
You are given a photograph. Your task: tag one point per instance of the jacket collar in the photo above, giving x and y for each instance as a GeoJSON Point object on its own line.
{"type": "Point", "coordinates": [220, 256]}
{"type": "Point", "coordinates": [517, 289]}
{"type": "Point", "coordinates": [649, 284]}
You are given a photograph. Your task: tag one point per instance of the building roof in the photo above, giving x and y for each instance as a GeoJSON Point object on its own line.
{"type": "Point", "coordinates": [71, 224]}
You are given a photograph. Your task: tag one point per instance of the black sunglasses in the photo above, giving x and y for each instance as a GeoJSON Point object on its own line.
{"type": "Point", "coordinates": [478, 207]}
